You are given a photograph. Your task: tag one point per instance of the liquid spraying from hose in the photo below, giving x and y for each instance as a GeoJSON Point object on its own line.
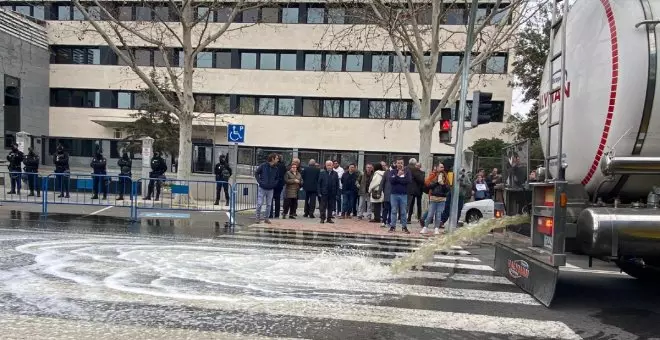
{"type": "Point", "coordinates": [460, 237]}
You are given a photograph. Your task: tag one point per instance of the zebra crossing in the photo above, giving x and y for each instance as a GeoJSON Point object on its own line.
{"type": "Point", "coordinates": [258, 283]}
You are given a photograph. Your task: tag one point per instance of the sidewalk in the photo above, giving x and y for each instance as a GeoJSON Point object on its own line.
{"type": "Point", "coordinates": [349, 226]}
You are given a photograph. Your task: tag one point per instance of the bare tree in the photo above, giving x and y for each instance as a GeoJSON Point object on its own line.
{"type": "Point", "coordinates": [417, 33]}
{"type": "Point", "coordinates": [192, 30]}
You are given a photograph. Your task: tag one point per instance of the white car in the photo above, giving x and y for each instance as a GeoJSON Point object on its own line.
{"type": "Point", "coordinates": [476, 210]}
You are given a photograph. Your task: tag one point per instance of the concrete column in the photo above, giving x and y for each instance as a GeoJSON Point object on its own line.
{"type": "Point", "coordinates": [361, 163]}
{"type": "Point", "coordinates": [23, 141]}
{"type": "Point", "coordinates": [147, 153]}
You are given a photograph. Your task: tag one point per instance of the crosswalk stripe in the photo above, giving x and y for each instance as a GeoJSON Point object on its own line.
{"type": "Point", "coordinates": [328, 310]}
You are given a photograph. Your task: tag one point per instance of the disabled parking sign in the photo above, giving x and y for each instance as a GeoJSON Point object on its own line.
{"type": "Point", "coordinates": [236, 133]}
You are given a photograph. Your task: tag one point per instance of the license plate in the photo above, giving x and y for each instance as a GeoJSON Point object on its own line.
{"type": "Point", "coordinates": [547, 241]}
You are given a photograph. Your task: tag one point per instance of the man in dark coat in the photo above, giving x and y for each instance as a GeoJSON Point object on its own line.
{"type": "Point", "coordinates": [99, 167]}
{"type": "Point", "coordinates": [156, 176]}
{"type": "Point", "coordinates": [62, 172]}
{"type": "Point", "coordinates": [125, 165]}
{"type": "Point", "coordinates": [328, 187]}
{"type": "Point", "coordinates": [222, 173]}
{"type": "Point", "coordinates": [277, 192]}
{"type": "Point", "coordinates": [415, 189]}
{"type": "Point", "coordinates": [32, 170]}
{"type": "Point", "coordinates": [15, 159]}
{"type": "Point", "coordinates": [310, 177]}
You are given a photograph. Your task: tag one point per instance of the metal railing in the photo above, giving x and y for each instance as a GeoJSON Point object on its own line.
{"type": "Point", "coordinates": [133, 194]}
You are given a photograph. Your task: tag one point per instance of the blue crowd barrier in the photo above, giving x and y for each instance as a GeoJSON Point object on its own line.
{"type": "Point", "coordinates": [103, 190]}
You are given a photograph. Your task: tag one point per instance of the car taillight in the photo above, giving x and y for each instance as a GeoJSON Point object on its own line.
{"type": "Point", "coordinates": [499, 213]}
{"type": "Point", "coordinates": [544, 225]}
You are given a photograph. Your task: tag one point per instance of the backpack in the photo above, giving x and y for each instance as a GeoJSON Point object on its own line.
{"type": "Point", "coordinates": [225, 173]}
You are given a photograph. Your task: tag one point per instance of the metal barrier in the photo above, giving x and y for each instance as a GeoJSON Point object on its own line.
{"type": "Point", "coordinates": [20, 187]}
{"type": "Point", "coordinates": [87, 189]}
{"type": "Point", "coordinates": [122, 191]}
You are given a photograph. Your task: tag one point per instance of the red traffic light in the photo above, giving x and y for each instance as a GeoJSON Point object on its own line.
{"type": "Point", "coordinates": [445, 125]}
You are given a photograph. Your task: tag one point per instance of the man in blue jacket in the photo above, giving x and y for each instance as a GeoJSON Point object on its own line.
{"type": "Point", "coordinates": [399, 179]}
{"type": "Point", "coordinates": [267, 178]}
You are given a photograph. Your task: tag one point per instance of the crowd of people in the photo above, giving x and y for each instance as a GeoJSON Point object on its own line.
{"type": "Point", "coordinates": [388, 194]}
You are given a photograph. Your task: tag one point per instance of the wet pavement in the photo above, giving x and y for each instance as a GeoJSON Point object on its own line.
{"type": "Point", "coordinates": [83, 276]}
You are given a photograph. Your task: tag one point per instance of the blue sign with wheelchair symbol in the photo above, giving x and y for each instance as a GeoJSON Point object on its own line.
{"type": "Point", "coordinates": [236, 133]}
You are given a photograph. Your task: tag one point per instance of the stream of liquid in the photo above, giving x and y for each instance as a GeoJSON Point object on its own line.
{"type": "Point", "coordinates": [459, 237]}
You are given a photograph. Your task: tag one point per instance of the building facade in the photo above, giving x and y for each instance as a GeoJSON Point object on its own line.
{"type": "Point", "coordinates": [24, 62]}
{"type": "Point", "coordinates": [296, 93]}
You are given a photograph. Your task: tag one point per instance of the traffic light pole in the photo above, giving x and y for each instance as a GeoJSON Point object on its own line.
{"type": "Point", "coordinates": [458, 149]}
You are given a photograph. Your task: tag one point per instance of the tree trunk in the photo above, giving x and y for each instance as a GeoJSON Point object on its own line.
{"type": "Point", "coordinates": [185, 147]}
{"type": "Point", "coordinates": [425, 139]}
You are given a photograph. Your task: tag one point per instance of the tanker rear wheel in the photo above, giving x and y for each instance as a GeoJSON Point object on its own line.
{"type": "Point", "coordinates": [637, 269]}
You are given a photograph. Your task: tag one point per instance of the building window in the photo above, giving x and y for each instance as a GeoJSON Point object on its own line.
{"type": "Point", "coordinates": [377, 109]}
{"type": "Point", "coordinates": [336, 16]}
{"type": "Point", "coordinates": [160, 57]}
{"type": "Point", "coordinates": [449, 63]}
{"type": "Point", "coordinates": [246, 105]}
{"type": "Point", "coordinates": [315, 15]}
{"type": "Point", "coordinates": [142, 101]}
{"type": "Point", "coordinates": [223, 14]}
{"type": "Point", "coordinates": [223, 60]}
{"type": "Point", "coordinates": [455, 16]}
{"type": "Point", "coordinates": [313, 62]}
{"type": "Point", "coordinates": [222, 104]}
{"type": "Point", "coordinates": [333, 62]}
{"type": "Point", "coordinates": [93, 99]}
{"type": "Point", "coordinates": [352, 108]}
{"type": "Point", "coordinates": [354, 62]}
{"type": "Point", "coordinates": [204, 103]}
{"type": "Point", "coordinates": [414, 112]}
{"type": "Point", "coordinates": [12, 109]}
{"type": "Point", "coordinates": [286, 107]}
{"type": "Point", "coordinates": [288, 61]}
{"type": "Point", "coordinates": [63, 12]}
{"type": "Point", "coordinates": [331, 108]}
{"type": "Point", "coordinates": [205, 14]}
{"type": "Point", "coordinates": [270, 14]}
{"type": "Point", "coordinates": [25, 10]}
{"type": "Point", "coordinates": [205, 59]}
{"type": "Point", "coordinates": [398, 110]}
{"type": "Point", "coordinates": [143, 13]}
{"type": "Point", "coordinates": [290, 15]}
{"type": "Point", "coordinates": [38, 12]}
{"type": "Point", "coordinates": [267, 106]}
{"type": "Point", "coordinates": [311, 107]}
{"type": "Point", "coordinates": [401, 67]}
{"type": "Point", "coordinates": [496, 64]}
{"type": "Point", "coordinates": [162, 13]}
{"type": "Point", "coordinates": [380, 63]}
{"type": "Point", "coordinates": [251, 15]}
{"type": "Point", "coordinates": [500, 14]}
{"type": "Point", "coordinates": [125, 13]}
{"type": "Point", "coordinates": [124, 100]}
{"type": "Point", "coordinates": [249, 61]}
{"type": "Point", "coordinates": [268, 61]}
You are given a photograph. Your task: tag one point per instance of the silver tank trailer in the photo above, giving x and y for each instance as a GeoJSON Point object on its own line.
{"type": "Point", "coordinates": [605, 232]}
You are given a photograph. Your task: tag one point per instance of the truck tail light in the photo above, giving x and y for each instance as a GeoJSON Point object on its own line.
{"type": "Point", "coordinates": [544, 225]}
{"type": "Point", "coordinates": [549, 197]}
{"type": "Point", "coordinates": [499, 213]}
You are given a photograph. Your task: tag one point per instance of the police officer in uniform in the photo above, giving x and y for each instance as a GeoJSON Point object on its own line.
{"type": "Point", "coordinates": [32, 169]}
{"type": "Point", "coordinates": [156, 176]}
{"type": "Point", "coordinates": [62, 171]}
{"type": "Point", "coordinates": [99, 168]}
{"type": "Point", "coordinates": [125, 164]}
{"type": "Point", "coordinates": [15, 159]}
{"type": "Point", "coordinates": [222, 174]}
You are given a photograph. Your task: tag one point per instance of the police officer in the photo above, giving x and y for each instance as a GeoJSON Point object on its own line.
{"type": "Point", "coordinates": [32, 169]}
{"type": "Point", "coordinates": [15, 158]}
{"type": "Point", "coordinates": [62, 171]}
{"type": "Point", "coordinates": [99, 167]}
{"type": "Point", "coordinates": [125, 164]}
{"type": "Point", "coordinates": [222, 172]}
{"type": "Point", "coordinates": [156, 176]}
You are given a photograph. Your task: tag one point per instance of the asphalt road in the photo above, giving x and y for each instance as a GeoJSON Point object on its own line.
{"type": "Point", "coordinates": [83, 276]}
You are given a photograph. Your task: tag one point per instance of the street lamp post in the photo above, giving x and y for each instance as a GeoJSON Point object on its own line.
{"type": "Point", "coordinates": [458, 149]}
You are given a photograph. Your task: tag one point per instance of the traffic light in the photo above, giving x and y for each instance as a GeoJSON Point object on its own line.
{"type": "Point", "coordinates": [445, 125]}
{"type": "Point", "coordinates": [481, 107]}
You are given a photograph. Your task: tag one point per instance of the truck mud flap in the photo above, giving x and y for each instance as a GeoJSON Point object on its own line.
{"type": "Point", "coordinates": [533, 276]}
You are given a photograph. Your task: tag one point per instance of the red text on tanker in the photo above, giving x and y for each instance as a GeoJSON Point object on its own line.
{"type": "Point", "coordinates": [555, 96]}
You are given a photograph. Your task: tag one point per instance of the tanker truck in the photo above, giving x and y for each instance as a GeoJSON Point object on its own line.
{"type": "Point", "coordinates": [599, 124]}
